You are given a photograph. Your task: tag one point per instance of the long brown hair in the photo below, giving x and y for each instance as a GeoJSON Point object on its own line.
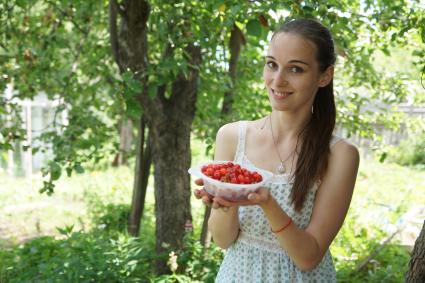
{"type": "Point", "coordinates": [316, 136]}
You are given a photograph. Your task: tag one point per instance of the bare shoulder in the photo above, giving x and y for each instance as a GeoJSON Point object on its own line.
{"type": "Point", "coordinates": [226, 141]}
{"type": "Point", "coordinates": [342, 167]}
{"type": "Point", "coordinates": [228, 132]}
{"type": "Point", "coordinates": [343, 153]}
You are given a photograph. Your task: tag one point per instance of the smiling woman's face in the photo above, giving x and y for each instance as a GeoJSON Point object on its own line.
{"type": "Point", "coordinates": [291, 72]}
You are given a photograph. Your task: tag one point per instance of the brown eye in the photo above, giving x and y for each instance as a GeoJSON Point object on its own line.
{"type": "Point", "coordinates": [271, 64]}
{"type": "Point", "coordinates": [296, 70]}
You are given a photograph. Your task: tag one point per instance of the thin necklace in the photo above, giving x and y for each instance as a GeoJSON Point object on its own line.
{"type": "Point", "coordinates": [281, 169]}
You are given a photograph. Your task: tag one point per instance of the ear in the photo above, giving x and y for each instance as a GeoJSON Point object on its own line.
{"type": "Point", "coordinates": [326, 76]}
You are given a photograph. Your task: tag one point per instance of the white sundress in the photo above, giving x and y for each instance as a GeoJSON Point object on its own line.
{"type": "Point", "coordinates": [256, 255]}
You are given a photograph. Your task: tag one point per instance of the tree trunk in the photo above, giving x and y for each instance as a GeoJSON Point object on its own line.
{"type": "Point", "coordinates": [172, 157]}
{"type": "Point", "coordinates": [169, 120]}
{"type": "Point", "coordinates": [205, 233]}
{"type": "Point", "coordinates": [235, 44]}
{"type": "Point", "coordinates": [129, 49]}
{"type": "Point", "coordinates": [141, 178]}
{"type": "Point", "coordinates": [416, 273]}
{"type": "Point", "coordinates": [126, 140]}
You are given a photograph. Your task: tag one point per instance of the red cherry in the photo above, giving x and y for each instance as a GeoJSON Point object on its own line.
{"type": "Point", "coordinates": [231, 173]}
{"type": "Point", "coordinates": [204, 168]}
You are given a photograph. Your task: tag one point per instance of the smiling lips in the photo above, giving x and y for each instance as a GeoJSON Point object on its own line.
{"type": "Point", "coordinates": [281, 94]}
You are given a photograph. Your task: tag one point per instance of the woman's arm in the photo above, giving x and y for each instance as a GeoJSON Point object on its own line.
{"type": "Point", "coordinates": [224, 225]}
{"type": "Point", "coordinates": [307, 247]}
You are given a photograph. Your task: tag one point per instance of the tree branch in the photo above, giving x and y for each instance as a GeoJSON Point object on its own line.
{"type": "Point", "coordinates": [113, 32]}
{"type": "Point", "coordinates": [52, 34]}
{"type": "Point", "coordinates": [66, 14]}
{"type": "Point", "coordinates": [235, 44]}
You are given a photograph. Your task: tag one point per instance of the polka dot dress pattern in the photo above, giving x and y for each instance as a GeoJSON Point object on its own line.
{"type": "Point", "coordinates": [256, 255]}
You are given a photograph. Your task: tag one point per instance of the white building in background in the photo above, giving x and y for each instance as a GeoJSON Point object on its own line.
{"type": "Point", "coordinates": [38, 116]}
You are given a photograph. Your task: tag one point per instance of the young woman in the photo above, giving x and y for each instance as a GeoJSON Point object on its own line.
{"type": "Point", "coordinates": [282, 232]}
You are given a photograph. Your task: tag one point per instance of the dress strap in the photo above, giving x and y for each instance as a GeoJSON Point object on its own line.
{"type": "Point", "coordinates": [240, 149]}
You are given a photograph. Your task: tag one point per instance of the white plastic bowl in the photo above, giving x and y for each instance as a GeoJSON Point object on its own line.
{"type": "Point", "coordinates": [229, 191]}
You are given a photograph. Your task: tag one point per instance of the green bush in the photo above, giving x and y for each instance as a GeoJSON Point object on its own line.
{"type": "Point", "coordinates": [111, 217]}
{"type": "Point", "coordinates": [100, 257]}
{"type": "Point", "coordinates": [410, 151]}
{"type": "Point", "coordinates": [194, 263]}
{"type": "Point", "coordinates": [355, 242]}
{"type": "Point", "coordinates": [79, 257]}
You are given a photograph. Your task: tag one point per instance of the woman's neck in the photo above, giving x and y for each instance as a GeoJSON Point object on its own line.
{"type": "Point", "coordinates": [287, 125]}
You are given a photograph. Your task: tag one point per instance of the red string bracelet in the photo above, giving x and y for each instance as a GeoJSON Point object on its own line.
{"type": "Point", "coordinates": [283, 228]}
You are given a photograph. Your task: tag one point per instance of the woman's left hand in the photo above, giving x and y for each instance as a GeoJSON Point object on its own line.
{"type": "Point", "coordinates": [259, 197]}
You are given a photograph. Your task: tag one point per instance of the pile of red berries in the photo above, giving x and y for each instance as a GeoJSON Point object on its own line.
{"type": "Point", "coordinates": [231, 173]}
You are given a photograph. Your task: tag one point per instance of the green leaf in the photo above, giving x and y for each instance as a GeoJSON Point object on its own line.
{"type": "Point", "coordinates": [253, 27]}
{"type": "Point", "coordinates": [386, 51]}
{"type": "Point", "coordinates": [239, 25]}
{"type": "Point", "coordinates": [78, 168]}
{"type": "Point", "coordinates": [308, 9]}
{"type": "Point", "coordinates": [423, 34]}
{"type": "Point", "coordinates": [135, 86]}
{"type": "Point", "coordinates": [68, 171]}
{"type": "Point", "coordinates": [65, 231]}
{"type": "Point", "coordinates": [383, 157]}
{"type": "Point", "coordinates": [152, 91]}
{"type": "Point", "coordinates": [55, 171]}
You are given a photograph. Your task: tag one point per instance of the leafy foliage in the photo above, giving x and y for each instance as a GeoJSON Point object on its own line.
{"type": "Point", "coordinates": [62, 49]}
{"type": "Point", "coordinates": [355, 242]}
{"type": "Point", "coordinates": [97, 253]}
{"type": "Point", "coordinates": [88, 257]}
{"type": "Point", "coordinates": [410, 151]}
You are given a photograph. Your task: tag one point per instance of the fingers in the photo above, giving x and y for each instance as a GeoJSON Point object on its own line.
{"type": "Point", "coordinates": [218, 202]}
{"type": "Point", "coordinates": [224, 203]}
{"type": "Point", "coordinates": [215, 205]}
{"type": "Point", "coordinates": [199, 182]}
{"type": "Point", "coordinates": [253, 197]}
{"type": "Point", "coordinates": [206, 200]}
{"type": "Point", "coordinates": [197, 193]}
{"type": "Point", "coordinates": [203, 195]}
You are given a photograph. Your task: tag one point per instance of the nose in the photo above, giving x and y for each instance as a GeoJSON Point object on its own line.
{"type": "Point", "coordinates": [279, 78]}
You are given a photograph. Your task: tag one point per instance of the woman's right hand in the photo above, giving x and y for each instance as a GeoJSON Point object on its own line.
{"type": "Point", "coordinates": [210, 200]}
{"type": "Point", "coordinates": [202, 194]}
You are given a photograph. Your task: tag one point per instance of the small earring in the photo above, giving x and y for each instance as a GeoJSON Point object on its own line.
{"type": "Point", "coordinates": [312, 109]}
